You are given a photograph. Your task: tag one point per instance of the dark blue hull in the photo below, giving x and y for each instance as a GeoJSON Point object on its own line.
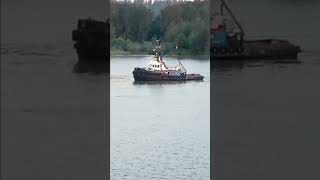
{"type": "Point", "coordinates": [141, 74]}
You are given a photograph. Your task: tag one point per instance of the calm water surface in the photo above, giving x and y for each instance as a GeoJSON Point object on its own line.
{"type": "Point", "coordinates": [159, 130]}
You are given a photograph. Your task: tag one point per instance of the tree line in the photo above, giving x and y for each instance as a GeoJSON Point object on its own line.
{"type": "Point", "coordinates": [134, 26]}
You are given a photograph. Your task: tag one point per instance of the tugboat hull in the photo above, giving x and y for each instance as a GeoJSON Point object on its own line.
{"type": "Point", "coordinates": [141, 74]}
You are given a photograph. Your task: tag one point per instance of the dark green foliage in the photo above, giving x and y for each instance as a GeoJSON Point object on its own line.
{"type": "Point", "coordinates": [132, 25]}
{"type": "Point", "coordinates": [156, 30]}
{"type": "Point", "coordinates": [130, 21]}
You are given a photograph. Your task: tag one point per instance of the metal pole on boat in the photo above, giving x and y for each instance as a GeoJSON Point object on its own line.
{"type": "Point", "coordinates": [178, 55]}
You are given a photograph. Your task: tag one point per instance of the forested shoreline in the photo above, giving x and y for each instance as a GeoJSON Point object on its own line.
{"type": "Point", "coordinates": [135, 26]}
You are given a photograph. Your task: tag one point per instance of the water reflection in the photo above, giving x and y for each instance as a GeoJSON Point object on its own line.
{"type": "Point", "coordinates": [162, 82]}
{"type": "Point", "coordinates": [94, 67]}
{"type": "Point", "coordinates": [236, 65]}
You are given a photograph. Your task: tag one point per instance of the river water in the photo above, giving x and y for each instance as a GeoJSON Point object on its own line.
{"type": "Point", "coordinates": [159, 130]}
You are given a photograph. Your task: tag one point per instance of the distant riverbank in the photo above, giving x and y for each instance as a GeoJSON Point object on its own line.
{"type": "Point", "coordinates": [119, 52]}
{"type": "Point", "coordinates": [119, 46]}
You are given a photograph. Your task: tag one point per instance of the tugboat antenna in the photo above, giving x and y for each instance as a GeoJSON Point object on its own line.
{"type": "Point", "coordinates": [178, 55]}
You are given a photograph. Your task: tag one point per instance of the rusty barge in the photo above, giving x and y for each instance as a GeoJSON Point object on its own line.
{"type": "Point", "coordinates": [227, 41]}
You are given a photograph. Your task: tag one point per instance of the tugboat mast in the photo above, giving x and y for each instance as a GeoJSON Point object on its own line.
{"type": "Point", "coordinates": [157, 50]}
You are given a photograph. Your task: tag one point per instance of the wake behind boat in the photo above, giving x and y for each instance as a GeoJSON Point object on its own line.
{"type": "Point", "coordinates": [157, 70]}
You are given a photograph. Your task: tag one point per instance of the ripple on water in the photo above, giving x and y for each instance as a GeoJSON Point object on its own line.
{"type": "Point", "coordinates": [159, 157]}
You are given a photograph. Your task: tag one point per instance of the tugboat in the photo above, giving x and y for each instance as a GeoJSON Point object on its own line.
{"type": "Point", "coordinates": [157, 70]}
